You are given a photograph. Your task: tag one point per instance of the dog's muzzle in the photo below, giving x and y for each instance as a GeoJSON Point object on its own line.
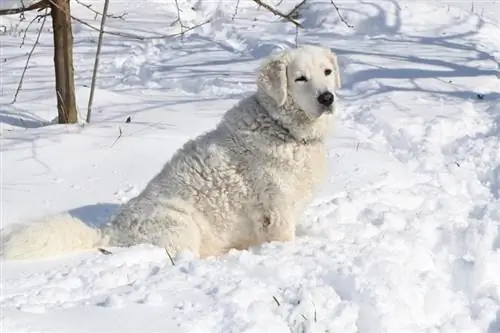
{"type": "Point", "coordinates": [326, 99]}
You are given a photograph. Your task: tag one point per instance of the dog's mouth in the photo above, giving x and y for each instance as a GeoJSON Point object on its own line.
{"type": "Point", "coordinates": [327, 109]}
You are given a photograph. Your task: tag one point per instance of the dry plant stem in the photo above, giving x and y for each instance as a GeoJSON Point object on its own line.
{"type": "Point", "coordinates": [96, 62]}
{"type": "Point", "coordinates": [170, 257]}
{"type": "Point", "coordinates": [120, 133]}
{"type": "Point", "coordinates": [19, 86]}
{"type": "Point", "coordinates": [179, 17]}
{"type": "Point", "coordinates": [104, 251]}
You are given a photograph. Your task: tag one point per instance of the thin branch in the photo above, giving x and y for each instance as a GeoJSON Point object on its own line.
{"type": "Point", "coordinates": [138, 37]}
{"type": "Point", "coordinates": [96, 63]}
{"type": "Point", "coordinates": [236, 10]}
{"type": "Point", "coordinates": [104, 251]}
{"type": "Point", "coordinates": [132, 36]}
{"type": "Point", "coordinates": [178, 17]}
{"type": "Point", "coordinates": [340, 15]}
{"type": "Point", "coordinates": [296, 8]}
{"type": "Point", "coordinates": [278, 13]}
{"type": "Point", "coordinates": [97, 13]}
{"type": "Point", "coordinates": [128, 35]}
{"type": "Point", "coordinates": [22, 17]}
{"type": "Point", "coordinates": [119, 136]}
{"type": "Point", "coordinates": [39, 5]}
{"type": "Point", "coordinates": [294, 14]}
{"type": "Point", "coordinates": [38, 17]}
{"type": "Point", "coordinates": [170, 257]}
{"type": "Point", "coordinates": [29, 57]}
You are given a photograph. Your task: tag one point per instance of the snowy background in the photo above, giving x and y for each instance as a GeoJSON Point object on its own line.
{"type": "Point", "coordinates": [403, 238]}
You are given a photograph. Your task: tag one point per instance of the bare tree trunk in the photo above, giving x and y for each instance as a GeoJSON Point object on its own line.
{"type": "Point", "coordinates": [63, 61]}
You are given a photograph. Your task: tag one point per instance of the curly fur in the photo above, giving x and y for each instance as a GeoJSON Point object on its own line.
{"type": "Point", "coordinates": [243, 183]}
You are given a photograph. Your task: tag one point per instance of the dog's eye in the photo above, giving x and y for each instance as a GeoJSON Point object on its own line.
{"type": "Point", "coordinates": [301, 79]}
{"type": "Point", "coordinates": [328, 72]}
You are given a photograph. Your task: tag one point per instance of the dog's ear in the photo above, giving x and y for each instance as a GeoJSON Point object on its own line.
{"type": "Point", "coordinates": [272, 78]}
{"type": "Point", "coordinates": [333, 59]}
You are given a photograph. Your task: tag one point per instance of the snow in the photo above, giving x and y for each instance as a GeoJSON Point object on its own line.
{"type": "Point", "coordinates": [404, 236]}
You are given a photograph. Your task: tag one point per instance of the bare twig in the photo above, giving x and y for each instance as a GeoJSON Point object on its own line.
{"type": "Point", "coordinates": [133, 36]}
{"type": "Point", "coordinates": [38, 17]}
{"type": "Point", "coordinates": [179, 18]}
{"type": "Point", "coordinates": [96, 62]}
{"type": "Point", "coordinates": [29, 57]}
{"type": "Point", "coordinates": [296, 8]}
{"type": "Point", "coordinates": [340, 15]}
{"type": "Point", "coordinates": [118, 137]}
{"type": "Point", "coordinates": [97, 13]}
{"type": "Point", "coordinates": [278, 13]}
{"type": "Point", "coordinates": [276, 300]}
{"type": "Point", "coordinates": [236, 10]}
{"type": "Point", "coordinates": [64, 113]}
{"type": "Point", "coordinates": [39, 5]}
{"type": "Point", "coordinates": [104, 251]}
{"type": "Point", "coordinates": [138, 37]}
{"type": "Point", "coordinates": [170, 257]}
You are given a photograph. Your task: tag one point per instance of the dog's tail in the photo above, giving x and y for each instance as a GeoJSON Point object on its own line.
{"type": "Point", "coordinates": [53, 236]}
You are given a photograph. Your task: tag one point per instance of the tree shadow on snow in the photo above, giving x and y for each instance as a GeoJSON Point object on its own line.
{"type": "Point", "coordinates": [20, 118]}
{"type": "Point", "coordinates": [382, 55]}
{"type": "Point", "coordinates": [494, 326]}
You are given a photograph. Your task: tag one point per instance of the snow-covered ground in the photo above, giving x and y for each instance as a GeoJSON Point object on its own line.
{"type": "Point", "coordinates": [404, 237]}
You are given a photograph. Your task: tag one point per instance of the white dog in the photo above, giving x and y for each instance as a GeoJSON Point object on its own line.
{"type": "Point", "coordinates": [244, 183]}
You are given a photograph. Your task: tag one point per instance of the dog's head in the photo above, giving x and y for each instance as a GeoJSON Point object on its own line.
{"type": "Point", "coordinates": [305, 78]}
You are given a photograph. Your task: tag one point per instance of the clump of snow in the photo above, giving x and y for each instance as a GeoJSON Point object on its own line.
{"type": "Point", "coordinates": [403, 237]}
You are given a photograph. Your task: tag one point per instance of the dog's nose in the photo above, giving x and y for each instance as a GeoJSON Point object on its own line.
{"type": "Point", "coordinates": [326, 98]}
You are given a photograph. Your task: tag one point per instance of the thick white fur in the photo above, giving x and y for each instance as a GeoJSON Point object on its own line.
{"type": "Point", "coordinates": [243, 183]}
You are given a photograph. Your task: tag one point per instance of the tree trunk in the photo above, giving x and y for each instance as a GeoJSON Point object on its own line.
{"type": "Point", "coordinates": [63, 61]}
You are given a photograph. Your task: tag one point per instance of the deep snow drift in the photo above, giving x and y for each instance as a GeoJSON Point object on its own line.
{"type": "Point", "coordinates": [404, 237]}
